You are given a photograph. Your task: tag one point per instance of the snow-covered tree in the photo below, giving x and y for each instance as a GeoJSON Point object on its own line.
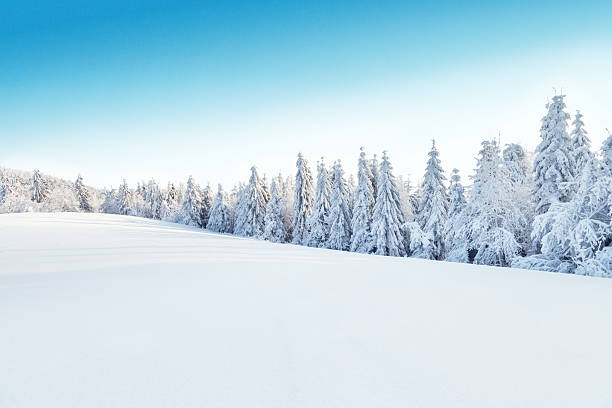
{"type": "Point", "coordinates": [191, 209]}
{"type": "Point", "coordinates": [207, 199]}
{"type": "Point", "coordinates": [581, 144]}
{"type": "Point", "coordinates": [421, 243]}
{"type": "Point", "coordinates": [220, 217]}
{"type": "Point", "coordinates": [573, 233]}
{"type": "Point", "coordinates": [318, 220]}
{"type": "Point", "coordinates": [83, 195]}
{"type": "Point", "coordinates": [517, 165]}
{"type": "Point", "coordinates": [606, 151]}
{"type": "Point", "coordinates": [486, 231]}
{"type": "Point", "coordinates": [388, 219]}
{"type": "Point", "coordinates": [406, 197]}
{"type": "Point", "coordinates": [109, 205]}
{"type": "Point", "coordinates": [554, 165]}
{"type": "Point", "coordinates": [302, 203]}
{"type": "Point", "coordinates": [274, 230]}
{"type": "Point", "coordinates": [434, 202]}
{"type": "Point", "coordinates": [40, 189]}
{"type": "Point", "coordinates": [374, 175]}
{"type": "Point", "coordinates": [363, 207]}
{"type": "Point", "coordinates": [124, 200]}
{"type": "Point", "coordinates": [339, 216]}
{"type": "Point", "coordinates": [252, 209]}
{"type": "Point", "coordinates": [456, 204]}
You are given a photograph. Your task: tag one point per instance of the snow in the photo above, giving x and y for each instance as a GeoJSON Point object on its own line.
{"type": "Point", "coordinates": [102, 310]}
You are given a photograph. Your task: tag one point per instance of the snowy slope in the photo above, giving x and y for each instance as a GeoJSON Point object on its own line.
{"type": "Point", "coordinates": [111, 311]}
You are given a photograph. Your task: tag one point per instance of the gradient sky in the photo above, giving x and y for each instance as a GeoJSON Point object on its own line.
{"type": "Point", "coordinates": [164, 89]}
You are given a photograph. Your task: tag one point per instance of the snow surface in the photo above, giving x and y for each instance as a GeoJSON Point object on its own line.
{"type": "Point", "coordinates": [112, 311]}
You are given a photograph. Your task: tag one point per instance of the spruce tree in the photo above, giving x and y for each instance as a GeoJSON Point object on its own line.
{"type": "Point", "coordinates": [124, 200]}
{"type": "Point", "coordinates": [339, 216]}
{"type": "Point", "coordinates": [302, 203]}
{"type": "Point", "coordinates": [554, 165]}
{"type": "Point", "coordinates": [220, 217]}
{"type": "Point", "coordinates": [191, 208]}
{"type": "Point", "coordinates": [456, 204]}
{"type": "Point", "coordinates": [274, 230]}
{"type": "Point", "coordinates": [40, 188]}
{"type": "Point", "coordinates": [606, 152]}
{"type": "Point", "coordinates": [434, 202]}
{"type": "Point", "coordinates": [489, 225]}
{"type": "Point", "coordinates": [251, 212]}
{"type": "Point", "coordinates": [388, 219]}
{"type": "Point", "coordinates": [318, 220]}
{"type": "Point", "coordinates": [207, 199]}
{"type": "Point", "coordinates": [83, 195]}
{"type": "Point", "coordinates": [581, 144]}
{"type": "Point", "coordinates": [374, 176]}
{"type": "Point", "coordinates": [363, 206]}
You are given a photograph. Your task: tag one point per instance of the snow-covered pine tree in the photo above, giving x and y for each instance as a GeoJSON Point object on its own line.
{"type": "Point", "coordinates": [158, 202]}
{"type": "Point", "coordinates": [124, 200]}
{"type": "Point", "coordinates": [434, 202]}
{"type": "Point", "coordinates": [363, 206]}
{"type": "Point", "coordinates": [191, 208]}
{"type": "Point", "coordinates": [487, 229]}
{"type": "Point", "coordinates": [517, 165]}
{"type": "Point", "coordinates": [252, 210]}
{"type": "Point", "coordinates": [374, 175]}
{"type": "Point", "coordinates": [456, 204]}
{"type": "Point", "coordinates": [302, 202]}
{"type": "Point", "coordinates": [554, 165]}
{"type": "Point", "coordinates": [286, 191]}
{"type": "Point", "coordinates": [572, 234]}
{"type": "Point", "coordinates": [339, 215]}
{"type": "Point", "coordinates": [171, 203]}
{"type": "Point", "coordinates": [40, 188]}
{"type": "Point", "coordinates": [207, 199]}
{"type": "Point", "coordinates": [83, 195]}
{"type": "Point", "coordinates": [318, 221]}
{"type": "Point", "coordinates": [606, 151]}
{"type": "Point", "coordinates": [274, 230]}
{"type": "Point", "coordinates": [581, 143]}
{"type": "Point", "coordinates": [109, 205]}
{"type": "Point", "coordinates": [388, 218]}
{"type": "Point", "coordinates": [350, 189]}
{"type": "Point", "coordinates": [220, 217]}
{"type": "Point", "coordinates": [405, 189]}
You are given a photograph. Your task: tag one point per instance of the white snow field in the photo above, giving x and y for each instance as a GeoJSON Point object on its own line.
{"type": "Point", "coordinates": [111, 311]}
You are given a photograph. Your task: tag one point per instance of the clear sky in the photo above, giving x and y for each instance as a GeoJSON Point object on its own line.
{"type": "Point", "coordinates": [164, 89]}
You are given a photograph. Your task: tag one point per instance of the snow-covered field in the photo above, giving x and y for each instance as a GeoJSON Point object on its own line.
{"type": "Point", "coordinates": [110, 311]}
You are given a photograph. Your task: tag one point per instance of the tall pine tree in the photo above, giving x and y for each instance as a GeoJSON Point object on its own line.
{"type": "Point", "coordinates": [388, 219]}
{"type": "Point", "coordinates": [302, 202]}
{"type": "Point", "coordinates": [251, 212]}
{"type": "Point", "coordinates": [434, 202]}
{"type": "Point", "coordinates": [363, 206]}
{"type": "Point", "coordinates": [339, 216]}
{"type": "Point", "coordinates": [581, 144]}
{"type": "Point", "coordinates": [318, 220]}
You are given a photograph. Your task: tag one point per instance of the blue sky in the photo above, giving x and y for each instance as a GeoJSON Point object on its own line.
{"type": "Point", "coordinates": [165, 89]}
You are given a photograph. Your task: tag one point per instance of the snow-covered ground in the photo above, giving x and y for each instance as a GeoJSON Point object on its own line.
{"type": "Point", "coordinates": [110, 311]}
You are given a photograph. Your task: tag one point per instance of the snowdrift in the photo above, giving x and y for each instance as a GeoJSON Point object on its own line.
{"type": "Point", "coordinates": [111, 311]}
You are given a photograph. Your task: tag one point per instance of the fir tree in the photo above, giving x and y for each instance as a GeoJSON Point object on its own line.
{"type": "Point", "coordinates": [124, 200]}
{"type": "Point", "coordinates": [207, 199]}
{"type": "Point", "coordinates": [318, 220]}
{"type": "Point", "coordinates": [388, 219]}
{"type": "Point", "coordinates": [606, 152]}
{"type": "Point", "coordinates": [40, 188]}
{"type": "Point", "coordinates": [374, 176]}
{"type": "Point", "coordinates": [581, 144]}
{"type": "Point", "coordinates": [274, 230]}
{"type": "Point", "coordinates": [487, 229]}
{"type": "Point", "coordinates": [302, 203]}
{"type": "Point", "coordinates": [220, 217]}
{"type": "Point", "coordinates": [554, 165]}
{"type": "Point", "coordinates": [456, 204]}
{"type": "Point", "coordinates": [252, 210]}
{"type": "Point", "coordinates": [339, 216]}
{"type": "Point", "coordinates": [363, 206]}
{"type": "Point", "coordinates": [433, 205]}
{"type": "Point", "coordinates": [83, 195]}
{"type": "Point", "coordinates": [192, 204]}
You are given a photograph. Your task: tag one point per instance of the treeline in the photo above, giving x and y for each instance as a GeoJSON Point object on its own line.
{"type": "Point", "coordinates": [552, 213]}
